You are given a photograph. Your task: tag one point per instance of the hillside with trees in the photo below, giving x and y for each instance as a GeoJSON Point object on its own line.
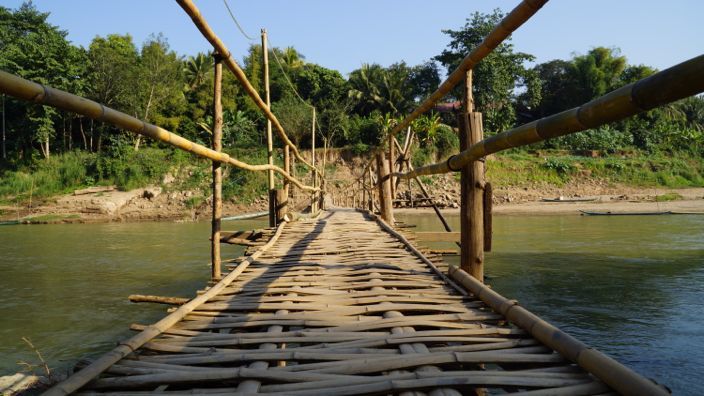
{"type": "Point", "coordinates": [54, 151]}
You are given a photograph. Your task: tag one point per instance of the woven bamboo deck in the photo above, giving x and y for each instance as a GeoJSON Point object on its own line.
{"type": "Point", "coordinates": [338, 306]}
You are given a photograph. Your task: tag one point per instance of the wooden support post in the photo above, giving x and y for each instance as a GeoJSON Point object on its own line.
{"type": "Point", "coordinates": [281, 205]}
{"type": "Point", "coordinates": [217, 171]}
{"type": "Point", "coordinates": [385, 199]}
{"type": "Point", "coordinates": [472, 185]}
{"type": "Point", "coordinates": [269, 140]}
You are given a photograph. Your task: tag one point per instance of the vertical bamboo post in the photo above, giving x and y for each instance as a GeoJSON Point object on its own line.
{"type": "Point", "coordinates": [385, 203]}
{"type": "Point", "coordinates": [314, 203]}
{"type": "Point", "coordinates": [269, 140]}
{"type": "Point", "coordinates": [217, 170]}
{"type": "Point", "coordinates": [472, 184]}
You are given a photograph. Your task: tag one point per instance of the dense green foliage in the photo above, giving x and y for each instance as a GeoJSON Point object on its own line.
{"type": "Point", "coordinates": [152, 82]}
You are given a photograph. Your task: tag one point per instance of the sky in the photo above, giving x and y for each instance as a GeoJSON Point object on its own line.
{"type": "Point", "coordinates": [344, 34]}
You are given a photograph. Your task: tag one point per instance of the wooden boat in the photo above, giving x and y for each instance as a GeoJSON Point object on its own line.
{"type": "Point", "coordinates": [609, 213]}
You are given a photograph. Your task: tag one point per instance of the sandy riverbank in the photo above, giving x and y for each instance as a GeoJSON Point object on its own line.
{"type": "Point", "coordinates": [151, 204]}
{"type": "Point", "coordinates": [692, 201]}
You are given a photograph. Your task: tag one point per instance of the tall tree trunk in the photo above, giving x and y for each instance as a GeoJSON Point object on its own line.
{"type": "Point", "coordinates": [83, 134]}
{"type": "Point", "coordinates": [146, 114]}
{"type": "Point", "coordinates": [70, 134]}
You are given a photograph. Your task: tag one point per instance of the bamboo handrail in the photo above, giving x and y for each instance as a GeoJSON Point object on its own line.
{"type": "Point", "coordinates": [190, 8]}
{"type": "Point", "coordinates": [31, 91]}
{"type": "Point", "coordinates": [677, 82]}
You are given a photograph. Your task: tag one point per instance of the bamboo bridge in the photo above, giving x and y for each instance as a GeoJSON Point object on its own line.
{"type": "Point", "coordinates": [339, 300]}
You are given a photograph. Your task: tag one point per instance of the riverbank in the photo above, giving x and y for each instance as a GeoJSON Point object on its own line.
{"type": "Point", "coordinates": [630, 200]}
{"type": "Point", "coordinates": [152, 204]}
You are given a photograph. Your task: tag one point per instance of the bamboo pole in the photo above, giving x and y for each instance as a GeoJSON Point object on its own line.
{"type": "Point", "coordinates": [269, 141]}
{"type": "Point", "coordinates": [677, 82]}
{"type": "Point", "coordinates": [88, 373]}
{"type": "Point", "coordinates": [385, 200]}
{"type": "Point", "coordinates": [190, 8]}
{"type": "Point", "coordinates": [30, 91]}
{"type": "Point", "coordinates": [471, 182]}
{"type": "Point", "coordinates": [215, 258]}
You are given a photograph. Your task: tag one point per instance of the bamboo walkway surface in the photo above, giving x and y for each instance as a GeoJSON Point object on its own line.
{"type": "Point", "coordinates": [338, 306]}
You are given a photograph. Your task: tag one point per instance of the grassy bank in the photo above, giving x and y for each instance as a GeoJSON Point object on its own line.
{"type": "Point", "coordinates": [128, 169]}
{"type": "Point", "coordinates": [556, 168]}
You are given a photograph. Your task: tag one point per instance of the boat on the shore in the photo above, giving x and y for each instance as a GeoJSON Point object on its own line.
{"type": "Point", "coordinates": [609, 213]}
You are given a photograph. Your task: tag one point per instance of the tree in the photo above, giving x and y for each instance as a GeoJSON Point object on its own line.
{"type": "Point", "coordinates": [158, 80]}
{"type": "Point", "coordinates": [595, 74]}
{"type": "Point", "coordinates": [196, 70]}
{"type": "Point", "coordinates": [112, 64]}
{"type": "Point", "coordinates": [295, 117]}
{"type": "Point", "coordinates": [36, 50]}
{"type": "Point", "coordinates": [387, 90]}
{"type": "Point", "coordinates": [497, 78]}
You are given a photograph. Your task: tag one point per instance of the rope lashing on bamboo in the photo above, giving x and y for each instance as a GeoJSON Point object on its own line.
{"type": "Point", "coordinates": [190, 8]}
{"type": "Point", "coordinates": [31, 91]}
{"type": "Point", "coordinates": [677, 82]}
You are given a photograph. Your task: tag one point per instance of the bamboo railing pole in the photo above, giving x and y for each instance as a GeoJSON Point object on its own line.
{"type": "Point", "coordinates": [677, 82]}
{"type": "Point", "coordinates": [30, 91]}
{"type": "Point", "coordinates": [471, 182]}
{"type": "Point", "coordinates": [190, 8]}
{"type": "Point", "coordinates": [269, 140]}
{"type": "Point", "coordinates": [215, 258]}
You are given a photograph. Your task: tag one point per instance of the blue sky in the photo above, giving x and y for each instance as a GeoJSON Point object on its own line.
{"type": "Point", "coordinates": [344, 34]}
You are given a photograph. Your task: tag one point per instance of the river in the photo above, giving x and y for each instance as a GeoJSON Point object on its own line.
{"type": "Point", "coordinates": [631, 286]}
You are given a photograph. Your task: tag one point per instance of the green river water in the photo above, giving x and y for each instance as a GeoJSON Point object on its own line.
{"type": "Point", "coordinates": [631, 286]}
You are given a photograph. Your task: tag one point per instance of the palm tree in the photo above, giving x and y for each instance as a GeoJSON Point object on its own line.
{"type": "Point", "coordinates": [385, 90]}
{"type": "Point", "coordinates": [196, 70]}
{"type": "Point", "coordinates": [292, 58]}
